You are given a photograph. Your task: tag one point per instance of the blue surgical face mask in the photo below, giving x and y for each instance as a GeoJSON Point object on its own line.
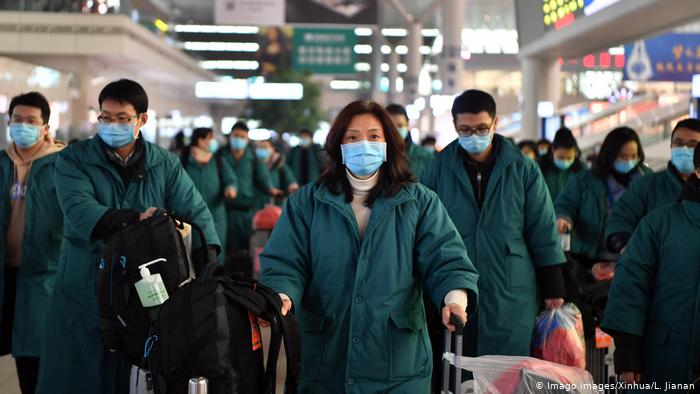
{"type": "Point", "coordinates": [238, 143]}
{"type": "Point", "coordinates": [625, 166]}
{"type": "Point", "coordinates": [403, 131]}
{"type": "Point", "coordinates": [363, 158]}
{"type": "Point", "coordinates": [116, 135]}
{"type": "Point", "coordinates": [682, 159]}
{"type": "Point", "coordinates": [24, 134]}
{"type": "Point", "coordinates": [430, 149]}
{"type": "Point", "coordinates": [563, 164]}
{"type": "Point", "coordinates": [213, 146]}
{"type": "Point", "coordinates": [262, 153]}
{"type": "Point", "coordinates": [475, 144]}
{"type": "Point", "coordinates": [306, 141]}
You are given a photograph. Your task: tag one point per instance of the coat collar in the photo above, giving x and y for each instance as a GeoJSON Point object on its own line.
{"type": "Point", "coordinates": [381, 206]}
{"type": "Point", "coordinates": [95, 154]}
{"type": "Point", "coordinates": [506, 156]}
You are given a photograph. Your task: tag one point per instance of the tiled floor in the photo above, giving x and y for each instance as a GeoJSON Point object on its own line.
{"type": "Point", "coordinates": [8, 376]}
{"type": "Point", "coordinates": [9, 384]}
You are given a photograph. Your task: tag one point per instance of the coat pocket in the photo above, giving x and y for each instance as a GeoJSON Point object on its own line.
{"type": "Point", "coordinates": [79, 269]}
{"type": "Point", "coordinates": [408, 345]}
{"type": "Point", "coordinates": [521, 273]}
{"type": "Point", "coordinates": [313, 345]}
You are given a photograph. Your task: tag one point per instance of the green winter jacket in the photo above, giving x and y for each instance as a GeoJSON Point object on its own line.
{"type": "Point", "coordinates": [74, 359]}
{"type": "Point", "coordinates": [655, 293]}
{"type": "Point", "coordinates": [556, 180]}
{"type": "Point", "coordinates": [208, 181]}
{"type": "Point", "coordinates": [418, 158]}
{"type": "Point", "coordinates": [643, 196]}
{"type": "Point", "coordinates": [359, 301]}
{"type": "Point", "coordinates": [583, 203]}
{"type": "Point", "coordinates": [251, 174]}
{"type": "Point", "coordinates": [512, 234]}
{"type": "Point", "coordinates": [43, 231]}
{"type": "Point", "coordinates": [316, 162]}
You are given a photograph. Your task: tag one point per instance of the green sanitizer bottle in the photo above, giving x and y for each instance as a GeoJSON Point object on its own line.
{"type": "Point", "coordinates": [151, 288]}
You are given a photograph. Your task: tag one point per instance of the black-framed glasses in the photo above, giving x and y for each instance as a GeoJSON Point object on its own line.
{"type": "Point", "coordinates": [119, 119]}
{"type": "Point", "coordinates": [480, 131]}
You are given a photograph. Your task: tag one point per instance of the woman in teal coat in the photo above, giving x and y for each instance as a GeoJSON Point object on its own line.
{"type": "Point", "coordinates": [563, 162]}
{"type": "Point", "coordinates": [281, 174]}
{"type": "Point", "coordinates": [353, 253]}
{"type": "Point", "coordinates": [212, 176]}
{"type": "Point", "coordinates": [653, 310]}
{"type": "Point", "coordinates": [583, 206]}
{"type": "Point", "coordinates": [656, 190]}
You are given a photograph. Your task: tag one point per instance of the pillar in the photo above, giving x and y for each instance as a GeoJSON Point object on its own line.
{"type": "Point", "coordinates": [414, 61]}
{"type": "Point", "coordinates": [452, 65]}
{"type": "Point", "coordinates": [393, 96]}
{"type": "Point", "coordinates": [541, 82]}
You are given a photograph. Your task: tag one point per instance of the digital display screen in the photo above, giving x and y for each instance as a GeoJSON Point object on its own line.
{"type": "Point", "coordinates": [558, 14]}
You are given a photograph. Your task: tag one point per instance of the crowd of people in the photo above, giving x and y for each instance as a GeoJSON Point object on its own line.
{"type": "Point", "coordinates": [380, 244]}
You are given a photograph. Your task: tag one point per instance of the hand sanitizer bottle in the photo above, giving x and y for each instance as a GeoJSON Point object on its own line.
{"type": "Point", "coordinates": [151, 288]}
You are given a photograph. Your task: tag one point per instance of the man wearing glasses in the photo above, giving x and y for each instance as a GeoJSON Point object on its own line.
{"type": "Point", "coordinates": [655, 190]}
{"type": "Point", "coordinates": [103, 185]}
{"type": "Point", "coordinates": [31, 223]}
{"type": "Point", "coordinates": [499, 202]}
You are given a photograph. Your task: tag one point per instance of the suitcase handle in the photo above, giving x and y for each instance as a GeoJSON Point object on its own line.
{"type": "Point", "coordinates": [459, 331]}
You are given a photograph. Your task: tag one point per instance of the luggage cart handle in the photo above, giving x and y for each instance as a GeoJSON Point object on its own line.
{"type": "Point", "coordinates": [458, 323]}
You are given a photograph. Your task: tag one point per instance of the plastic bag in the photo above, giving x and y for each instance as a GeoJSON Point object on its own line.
{"type": "Point", "coordinates": [266, 218]}
{"type": "Point", "coordinates": [516, 375]}
{"type": "Point", "coordinates": [559, 337]}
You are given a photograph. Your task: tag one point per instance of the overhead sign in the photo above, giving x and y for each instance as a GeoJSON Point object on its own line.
{"type": "Point", "coordinates": [249, 12]}
{"type": "Point", "coordinates": [669, 57]}
{"type": "Point", "coordinates": [242, 89]}
{"type": "Point", "coordinates": [324, 51]}
{"type": "Point", "coordinates": [558, 14]}
{"type": "Point", "coordinates": [353, 12]}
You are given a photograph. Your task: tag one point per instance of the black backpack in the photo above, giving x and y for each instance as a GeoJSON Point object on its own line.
{"type": "Point", "coordinates": [209, 329]}
{"type": "Point", "coordinates": [125, 325]}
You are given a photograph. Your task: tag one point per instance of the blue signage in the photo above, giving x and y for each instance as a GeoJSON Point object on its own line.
{"type": "Point", "coordinates": [669, 57]}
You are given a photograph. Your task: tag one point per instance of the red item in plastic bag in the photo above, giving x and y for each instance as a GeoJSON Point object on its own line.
{"type": "Point", "coordinates": [266, 218]}
{"type": "Point", "coordinates": [559, 337]}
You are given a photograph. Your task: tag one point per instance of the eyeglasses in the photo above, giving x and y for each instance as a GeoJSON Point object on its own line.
{"type": "Point", "coordinates": [119, 119]}
{"type": "Point", "coordinates": [480, 131]}
{"type": "Point", "coordinates": [32, 121]}
{"type": "Point", "coordinates": [680, 143]}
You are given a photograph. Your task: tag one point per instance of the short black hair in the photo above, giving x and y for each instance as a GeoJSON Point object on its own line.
{"type": "Point", "coordinates": [429, 140]}
{"type": "Point", "coordinates": [529, 144]}
{"type": "Point", "coordinates": [306, 131]}
{"type": "Point", "coordinates": [126, 91]}
{"type": "Point", "coordinates": [689, 123]}
{"type": "Point", "coordinates": [473, 102]}
{"type": "Point", "coordinates": [200, 133]}
{"type": "Point", "coordinates": [397, 109]}
{"type": "Point", "coordinates": [696, 157]}
{"type": "Point", "coordinates": [32, 99]}
{"type": "Point", "coordinates": [240, 125]}
{"type": "Point", "coordinates": [564, 138]}
{"type": "Point", "coordinates": [543, 141]}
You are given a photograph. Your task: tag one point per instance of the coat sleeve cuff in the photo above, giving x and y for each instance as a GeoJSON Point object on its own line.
{"type": "Point", "coordinates": [617, 241]}
{"type": "Point", "coordinates": [459, 297]}
{"type": "Point", "coordinates": [112, 221]}
{"type": "Point", "coordinates": [628, 352]}
{"type": "Point", "coordinates": [550, 281]}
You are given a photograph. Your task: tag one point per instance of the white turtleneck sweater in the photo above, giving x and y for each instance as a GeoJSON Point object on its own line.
{"type": "Point", "coordinates": [360, 189]}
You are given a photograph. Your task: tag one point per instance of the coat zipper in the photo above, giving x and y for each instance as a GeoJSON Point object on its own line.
{"type": "Point", "coordinates": [478, 181]}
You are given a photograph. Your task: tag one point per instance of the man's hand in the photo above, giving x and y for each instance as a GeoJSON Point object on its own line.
{"type": "Point", "coordinates": [147, 213]}
{"type": "Point", "coordinates": [631, 377]}
{"type": "Point", "coordinates": [230, 193]}
{"type": "Point", "coordinates": [286, 306]}
{"type": "Point", "coordinates": [274, 192]}
{"type": "Point", "coordinates": [563, 226]}
{"type": "Point", "coordinates": [553, 303]}
{"type": "Point", "coordinates": [293, 187]}
{"type": "Point", "coordinates": [453, 309]}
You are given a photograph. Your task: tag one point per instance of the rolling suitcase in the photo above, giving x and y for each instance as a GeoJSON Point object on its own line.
{"type": "Point", "coordinates": [446, 366]}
